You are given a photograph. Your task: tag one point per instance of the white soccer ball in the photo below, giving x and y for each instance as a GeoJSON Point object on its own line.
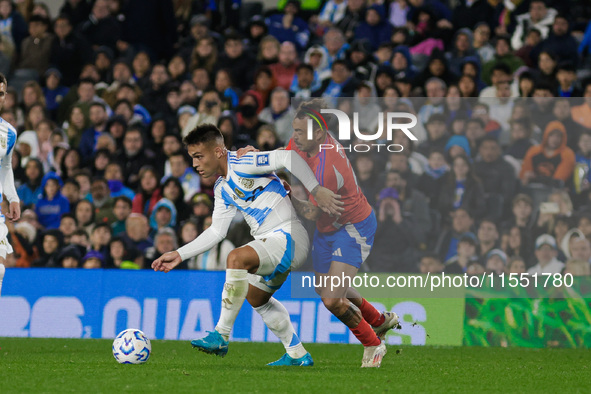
{"type": "Point", "coordinates": [131, 346]}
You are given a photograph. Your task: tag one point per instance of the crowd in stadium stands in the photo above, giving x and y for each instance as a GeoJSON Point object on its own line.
{"type": "Point", "coordinates": [103, 93]}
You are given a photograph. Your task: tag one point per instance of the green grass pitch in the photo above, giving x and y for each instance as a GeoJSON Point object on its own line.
{"type": "Point", "coordinates": [83, 365]}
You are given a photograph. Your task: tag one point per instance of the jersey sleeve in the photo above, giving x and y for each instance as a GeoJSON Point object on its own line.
{"type": "Point", "coordinates": [222, 216]}
{"type": "Point", "coordinates": [268, 162]}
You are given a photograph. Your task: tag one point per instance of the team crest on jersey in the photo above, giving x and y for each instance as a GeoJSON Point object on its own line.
{"type": "Point", "coordinates": [262, 160]}
{"type": "Point", "coordinates": [3, 141]}
{"type": "Point", "coordinates": [239, 192]}
{"type": "Point", "coordinates": [247, 183]}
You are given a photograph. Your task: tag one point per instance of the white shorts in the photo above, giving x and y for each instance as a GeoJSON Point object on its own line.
{"type": "Point", "coordinates": [280, 252]}
{"type": "Point", "coordinates": [5, 247]}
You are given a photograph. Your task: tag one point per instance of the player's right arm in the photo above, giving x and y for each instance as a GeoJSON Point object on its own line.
{"type": "Point", "coordinates": [221, 219]}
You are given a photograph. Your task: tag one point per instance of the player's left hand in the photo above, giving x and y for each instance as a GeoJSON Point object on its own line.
{"type": "Point", "coordinates": [14, 211]}
{"type": "Point", "coordinates": [246, 150]}
{"type": "Point", "coordinates": [328, 201]}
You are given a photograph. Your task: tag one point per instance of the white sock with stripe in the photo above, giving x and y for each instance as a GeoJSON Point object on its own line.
{"type": "Point", "coordinates": [2, 270]}
{"type": "Point", "coordinates": [233, 296]}
{"type": "Point", "coordinates": [277, 319]}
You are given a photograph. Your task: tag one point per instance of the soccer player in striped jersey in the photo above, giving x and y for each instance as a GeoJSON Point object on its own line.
{"type": "Point", "coordinates": [256, 270]}
{"type": "Point", "coordinates": [7, 188]}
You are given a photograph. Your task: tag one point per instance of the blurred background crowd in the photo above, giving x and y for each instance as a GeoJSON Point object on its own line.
{"type": "Point", "coordinates": [102, 94]}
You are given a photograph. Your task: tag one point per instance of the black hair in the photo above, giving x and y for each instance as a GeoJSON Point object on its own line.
{"type": "Point", "coordinates": [204, 134]}
{"type": "Point", "coordinates": [306, 66]}
{"type": "Point", "coordinates": [3, 79]}
{"type": "Point", "coordinates": [125, 199]}
{"type": "Point", "coordinates": [71, 216]}
{"type": "Point", "coordinates": [501, 66]}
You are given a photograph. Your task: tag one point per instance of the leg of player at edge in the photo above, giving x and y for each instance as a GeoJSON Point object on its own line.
{"type": "Point", "coordinates": [353, 313]}
{"type": "Point", "coordinates": [240, 262]}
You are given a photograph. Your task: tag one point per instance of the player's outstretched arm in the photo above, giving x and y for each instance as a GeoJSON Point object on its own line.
{"type": "Point", "coordinates": [221, 219]}
{"type": "Point", "coordinates": [306, 209]}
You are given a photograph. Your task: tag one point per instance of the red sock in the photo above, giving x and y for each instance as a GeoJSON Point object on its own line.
{"type": "Point", "coordinates": [371, 314]}
{"type": "Point", "coordinates": [365, 334]}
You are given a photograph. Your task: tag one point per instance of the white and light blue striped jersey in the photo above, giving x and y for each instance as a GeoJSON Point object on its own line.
{"type": "Point", "coordinates": [251, 187]}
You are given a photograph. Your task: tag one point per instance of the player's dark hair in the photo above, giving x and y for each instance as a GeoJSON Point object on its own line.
{"type": "Point", "coordinates": [204, 134]}
{"type": "Point", "coordinates": [3, 79]}
{"type": "Point", "coordinates": [314, 105]}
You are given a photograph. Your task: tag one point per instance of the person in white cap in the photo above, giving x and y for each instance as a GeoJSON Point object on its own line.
{"type": "Point", "coordinates": [546, 253]}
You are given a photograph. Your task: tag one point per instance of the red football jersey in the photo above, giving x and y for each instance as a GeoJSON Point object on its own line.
{"type": "Point", "coordinates": [334, 171]}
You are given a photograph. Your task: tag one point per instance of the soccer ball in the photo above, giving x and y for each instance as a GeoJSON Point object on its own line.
{"type": "Point", "coordinates": [131, 346]}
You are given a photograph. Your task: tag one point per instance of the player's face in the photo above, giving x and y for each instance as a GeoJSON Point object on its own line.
{"type": "Point", "coordinates": [300, 135]}
{"type": "Point", "coordinates": [205, 159]}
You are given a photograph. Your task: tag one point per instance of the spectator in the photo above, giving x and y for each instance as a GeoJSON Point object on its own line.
{"type": "Point", "coordinates": [165, 241]}
{"type": "Point", "coordinates": [121, 211]}
{"type": "Point", "coordinates": [496, 174]}
{"type": "Point", "coordinates": [285, 69]}
{"type": "Point", "coordinates": [239, 63]}
{"type": "Point", "coordinates": [289, 26]}
{"type": "Point", "coordinates": [102, 201]}
{"type": "Point", "coordinates": [392, 238]}
{"type": "Point", "coordinates": [267, 138]}
{"type": "Point", "coordinates": [173, 191]}
{"type": "Point", "coordinates": [437, 133]}
{"type": "Point", "coordinates": [503, 54]}
{"type": "Point", "coordinates": [488, 238]}
{"type": "Point", "coordinates": [436, 89]}
{"type": "Point", "coordinates": [101, 28]}
{"type": "Point", "coordinates": [68, 225]}
{"type": "Point", "coordinates": [154, 96]}
{"type": "Point", "coordinates": [305, 82]}
{"type": "Point", "coordinates": [430, 263]}
{"type": "Point", "coordinates": [84, 213]}
{"type": "Point", "coordinates": [31, 191]}
{"type": "Point", "coordinates": [560, 41]}
{"type": "Point", "coordinates": [100, 238]}
{"type": "Point", "coordinates": [546, 252]}
{"type": "Point", "coordinates": [341, 84]}
{"type": "Point", "coordinates": [431, 181]}
{"type": "Point", "coordinates": [279, 113]}
{"type": "Point", "coordinates": [123, 255]}
{"type": "Point", "coordinates": [461, 189]}
{"type": "Point", "coordinates": [353, 16]}
{"type": "Point", "coordinates": [52, 205]}
{"type": "Point", "coordinates": [551, 160]}
{"type": "Point", "coordinates": [539, 17]}
{"type": "Point", "coordinates": [98, 120]}
{"type": "Point", "coordinates": [466, 254]}
{"type": "Point", "coordinates": [210, 109]}
{"type": "Point", "coordinates": [13, 24]}
{"type": "Point", "coordinates": [136, 232]}
{"type": "Point", "coordinates": [375, 28]}
{"type": "Point", "coordinates": [149, 192]}
{"type": "Point", "coordinates": [23, 242]}
{"type": "Point", "coordinates": [51, 242]}
{"type": "Point", "coordinates": [496, 261]}
{"type": "Point", "coordinates": [114, 177]}
{"type": "Point", "coordinates": [134, 156]}
{"type": "Point", "coordinates": [93, 260]}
